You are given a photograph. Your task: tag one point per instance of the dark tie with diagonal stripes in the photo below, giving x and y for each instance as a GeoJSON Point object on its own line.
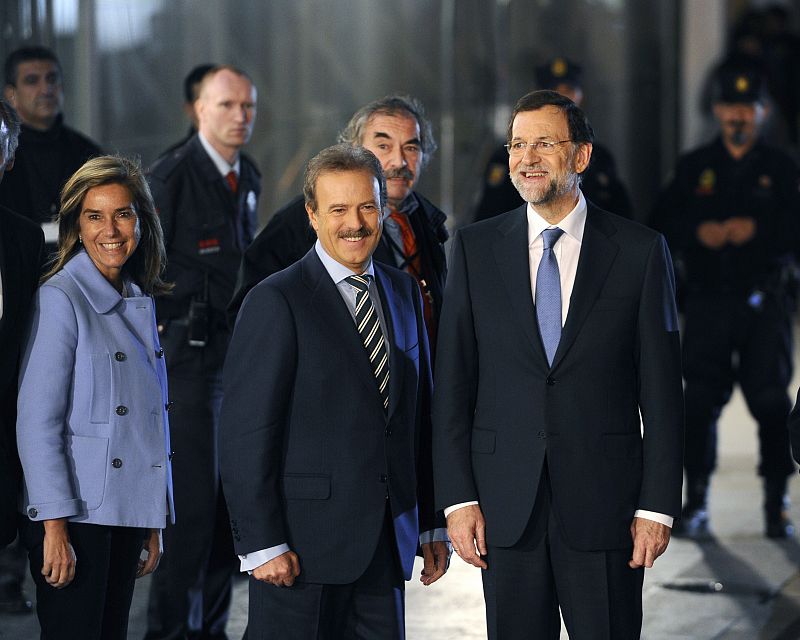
{"type": "Point", "coordinates": [369, 326]}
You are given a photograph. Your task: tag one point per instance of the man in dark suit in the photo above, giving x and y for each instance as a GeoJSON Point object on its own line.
{"type": "Point", "coordinates": [21, 247]}
{"type": "Point", "coordinates": [559, 327]}
{"type": "Point", "coordinates": [325, 447]}
{"type": "Point", "coordinates": [396, 130]}
{"type": "Point", "coordinates": [206, 192]}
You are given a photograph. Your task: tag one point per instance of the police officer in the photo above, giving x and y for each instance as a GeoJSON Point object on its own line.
{"type": "Point", "coordinates": [729, 214]}
{"type": "Point", "coordinates": [206, 192]}
{"type": "Point", "coordinates": [599, 183]}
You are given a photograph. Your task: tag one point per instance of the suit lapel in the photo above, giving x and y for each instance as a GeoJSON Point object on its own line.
{"type": "Point", "coordinates": [511, 255]}
{"type": "Point", "coordinates": [598, 252]}
{"type": "Point", "coordinates": [6, 282]}
{"type": "Point", "coordinates": [336, 319]}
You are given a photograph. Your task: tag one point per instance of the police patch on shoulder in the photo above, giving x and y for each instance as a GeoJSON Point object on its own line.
{"type": "Point", "coordinates": [706, 182]}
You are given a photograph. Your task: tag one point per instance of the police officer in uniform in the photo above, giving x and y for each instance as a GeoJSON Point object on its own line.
{"type": "Point", "coordinates": [599, 183]}
{"type": "Point", "coordinates": [729, 215]}
{"type": "Point", "coordinates": [206, 192]}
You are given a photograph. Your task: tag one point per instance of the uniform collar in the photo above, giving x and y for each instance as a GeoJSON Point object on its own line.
{"type": "Point", "coordinates": [222, 165]}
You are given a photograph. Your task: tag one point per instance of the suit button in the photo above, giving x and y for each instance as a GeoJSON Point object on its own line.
{"type": "Point", "coordinates": [32, 513]}
{"type": "Point", "coordinates": [168, 406]}
{"type": "Point", "coordinates": [171, 455]}
{"type": "Point", "coordinates": [122, 410]}
{"type": "Point", "coordinates": [384, 477]}
{"type": "Point", "coordinates": [116, 463]}
{"type": "Point", "coordinates": [550, 381]}
{"type": "Point", "coordinates": [160, 353]}
{"type": "Point", "coordinates": [388, 432]}
{"type": "Point", "coordinates": [120, 357]}
{"type": "Point", "coordinates": [542, 435]}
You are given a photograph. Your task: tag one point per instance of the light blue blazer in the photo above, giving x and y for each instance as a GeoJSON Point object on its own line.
{"type": "Point", "coordinates": [92, 426]}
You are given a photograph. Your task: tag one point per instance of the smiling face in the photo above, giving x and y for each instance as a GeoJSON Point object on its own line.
{"type": "Point", "coordinates": [348, 216]}
{"type": "Point", "coordinates": [38, 95]}
{"type": "Point", "coordinates": [395, 140]}
{"type": "Point", "coordinates": [109, 229]}
{"type": "Point", "coordinates": [549, 182]}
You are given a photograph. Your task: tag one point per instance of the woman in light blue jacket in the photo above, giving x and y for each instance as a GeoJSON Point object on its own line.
{"type": "Point", "coordinates": [92, 426]}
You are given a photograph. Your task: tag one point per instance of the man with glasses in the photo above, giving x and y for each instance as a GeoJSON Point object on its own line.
{"type": "Point", "coordinates": [396, 130]}
{"type": "Point", "coordinates": [600, 183]}
{"type": "Point", "coordinates": [559, 327]}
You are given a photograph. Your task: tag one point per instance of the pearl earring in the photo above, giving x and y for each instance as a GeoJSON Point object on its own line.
{"type": "Point", "coordinates": [80, 238]}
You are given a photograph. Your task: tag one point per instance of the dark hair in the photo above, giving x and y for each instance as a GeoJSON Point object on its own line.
{"type": "Point", "coordinates": [191, 83]}
{"type": "Point", "coordinates": [580, 131]}
{"type": "Point", "coordinates": [341, 157]}
{"type": "Point", "coordinates": [9, 130]}
{"type": "Point", "coordinates": [148, 261]}
{"type": "Point", "coordinates": [392, 105]}
{"type": "Point", "coordinates": [26, 54]}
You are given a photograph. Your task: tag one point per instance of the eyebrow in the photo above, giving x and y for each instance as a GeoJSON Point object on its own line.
{"type": "Point", "coordinates": [129, 207]}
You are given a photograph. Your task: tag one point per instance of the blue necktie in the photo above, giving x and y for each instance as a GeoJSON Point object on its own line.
{"type": "Point", "coordinates": [548, 295]}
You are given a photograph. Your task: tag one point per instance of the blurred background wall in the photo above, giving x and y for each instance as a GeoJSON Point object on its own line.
{"type": "Point", "coordinates": [315, 61]}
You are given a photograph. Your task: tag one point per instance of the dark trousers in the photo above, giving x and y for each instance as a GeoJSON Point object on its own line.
{"type": "Point", "coordinates": [371, 608]}
{"type": "Point", "coordinates": [96, 604]}
{"type": "Point", "coordinates": [190, 594]}
{"type": "Point", "coordinates": [524, 585]}
{"type": "Point", "coordinates": [727, 339]}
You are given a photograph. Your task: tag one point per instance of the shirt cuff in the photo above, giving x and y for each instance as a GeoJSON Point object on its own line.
{"type": "Point", "coordinates": [655, 516]}
{"type": "Point", "coordinates": [458, 506]}
{"type": "Point", "coordinates": [434, 535]}
{"type": "Point", "coordinates": [250, 561]}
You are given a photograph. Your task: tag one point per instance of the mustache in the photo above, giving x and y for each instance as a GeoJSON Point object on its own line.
{"type": "Point", "coordinates": [399, 172]}
{"type": "Point", "coordinates": [357, 234]}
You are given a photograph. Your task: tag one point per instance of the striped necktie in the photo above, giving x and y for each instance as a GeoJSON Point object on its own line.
{"type": "Point", "coordinates": [548, 295]}
{"type": "Point", "coordinates": [369, 327]}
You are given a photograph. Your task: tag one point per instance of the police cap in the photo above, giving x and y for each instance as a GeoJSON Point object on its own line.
{"type": "Point", "coordinates": [558, 71]}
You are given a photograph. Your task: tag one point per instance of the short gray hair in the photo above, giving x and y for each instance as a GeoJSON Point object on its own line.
{"type": "Point", "coordinates": [392, 105]}
{"type": "Point", "coordinates": [342, 157]}
{"type": "Point", "coordinates": [9, 129]}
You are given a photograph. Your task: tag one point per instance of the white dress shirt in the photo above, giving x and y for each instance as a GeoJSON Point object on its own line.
{"type": "Point", "coordinates": [567, 250]}
{"type": "Point", "coordinates": [222, 165]}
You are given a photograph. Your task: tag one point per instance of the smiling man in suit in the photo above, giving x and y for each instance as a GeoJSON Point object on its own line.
{"type": "Point", "coordinates": [325, 448]}
{"type": "Point", "coordinates": [559, 327]}
{"type": "Point", "coordinates": [21, 247]}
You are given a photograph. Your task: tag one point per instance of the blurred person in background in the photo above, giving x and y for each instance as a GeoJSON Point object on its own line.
{"type": "Point", "coordinates": [730, 216]}
{"type": "Point", "coordinates": [49, 151]}
{"type": "Point", "coordinates": [191, 92]}
{"type": "Point", "coordinates": [600, 182]}
{"type": "Point", "coordinates": [21, 249]}
{"type": "Point", "coordinates": [92, 428]}
{"type": "Point", "coordinates": [206, 192]}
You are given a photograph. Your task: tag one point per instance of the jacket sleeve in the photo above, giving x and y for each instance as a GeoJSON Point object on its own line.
{"type": "Point", "coordinates": [660, 385]}
{"type": "Point", "coordinates": [45, 385]}
{"type": "Point", "coordinates": [258, 383]}
{"type": "Point", "coordinates": [456, 383]}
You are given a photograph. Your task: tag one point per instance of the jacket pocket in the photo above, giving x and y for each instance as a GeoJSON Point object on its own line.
{"type": "Point", "coordinates": [90, 463]}
{"type": "Point", "coordinates": [101, 388]}
{"type": "Point", "coordinates": [306, 486]}
{"type": "Point", "coordinates": [483, 441]}
{"type": "Point", "coordinates": [622, 445]}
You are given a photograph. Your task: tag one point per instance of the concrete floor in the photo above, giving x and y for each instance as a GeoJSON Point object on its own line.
{"type": "Point", "coordinates": [756, 597]}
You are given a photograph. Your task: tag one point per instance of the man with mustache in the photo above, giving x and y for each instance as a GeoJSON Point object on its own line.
{"type": "Point", "coordinates": [206, 192]}
{"type": "Point", "coordinates": [730, 217]}
{"type": "Point", "coordinates": [49, 151]}
{"type": "Point", "coordinates": [396, 130]}
{"type": "Point", "coordinates": [325, 433]}
{"type": "Point", "coordinates": [558, 328]}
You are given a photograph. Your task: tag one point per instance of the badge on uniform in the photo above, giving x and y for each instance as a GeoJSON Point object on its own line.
{"type": "Point", "coordinates": [251, 201]}
{"type": "Point", "coordinates": [764, 181]}
{"type": "Point", "coordinates": [207, 246]}
{"type": "Point", "coordinates": [497, 174]}
{"type": "Point", "coordinates": [706, 182]}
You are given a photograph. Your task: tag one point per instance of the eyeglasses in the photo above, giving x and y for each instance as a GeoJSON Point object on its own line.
{"type": "Point", "coordinates": [545, 147]}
